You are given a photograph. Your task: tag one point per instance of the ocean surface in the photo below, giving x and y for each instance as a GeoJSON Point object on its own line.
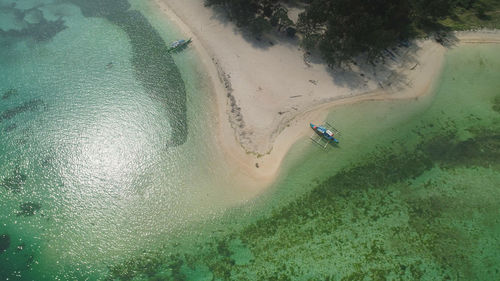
{"type": "Point", "coordinates": [108, 168]}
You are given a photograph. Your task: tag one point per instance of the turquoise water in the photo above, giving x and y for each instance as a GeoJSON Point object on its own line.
{"type": "Point", "coordinates": [99, 133]}
{"type": "Point", "coordinates": [107, 166]}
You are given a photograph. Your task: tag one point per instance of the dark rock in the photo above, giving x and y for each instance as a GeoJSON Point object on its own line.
{"type": "Point", "coordinates": [10, 128]}
{"type": "Point", "coordinates": [15, 182]}
{"type": "Point", "coordinates": [30, 105]}
{"type": "Point", "coordinates": [28, 209]}
{"type": "Point", "coordinates": [7, 94]}
{"type": "Point", "coordinates": [4, 242]}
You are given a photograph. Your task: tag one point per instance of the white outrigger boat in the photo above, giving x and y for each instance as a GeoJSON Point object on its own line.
{"type": "Point", "coordinates": [179, 44]}
{"type": "Point", "coordinates": [323, 135]}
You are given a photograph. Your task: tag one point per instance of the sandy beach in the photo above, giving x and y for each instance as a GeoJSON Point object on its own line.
{"type": "Point", "coordinates": [268, 90]}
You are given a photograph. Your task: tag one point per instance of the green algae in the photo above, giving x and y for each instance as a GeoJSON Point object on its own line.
{"type": "Point", "coordinates": [9, 93]}
{"type": "Point", "coordinates": [30, 105]}
{"type": "Point", "coordinates": [395, 216]}
{"type": "Point", "coordinates": [496, 104]}
{"type": "Point", "coordinates": [15, 182]}
{"type": "Point", "coordinates": [28, 209]}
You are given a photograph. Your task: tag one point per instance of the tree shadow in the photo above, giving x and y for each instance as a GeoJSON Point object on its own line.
{"type": "Point", "coordinates": [360, 73]}
{"type": "Point", "coordinates": [264, 41]}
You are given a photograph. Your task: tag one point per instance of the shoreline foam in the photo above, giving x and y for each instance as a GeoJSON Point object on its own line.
{"type": "Point", "coordinates": [263, 110]}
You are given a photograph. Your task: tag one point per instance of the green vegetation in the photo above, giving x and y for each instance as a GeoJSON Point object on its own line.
{"type": "Point", "coordinates": [28, 209]}
{"type": "Point", "coordinates": [15, 182]}
{"type": "Point", "coordinates": [496, 104]}
{"type": "Point", "coordinates": [404, 215]}
{"type": "Point", "coordinates": [343, 29]}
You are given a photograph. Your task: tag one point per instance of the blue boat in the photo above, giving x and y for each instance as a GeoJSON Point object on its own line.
{"type": "Point", "coordinates": [326, 134]}
{"type": "Point", "coordinates": [179, 44]}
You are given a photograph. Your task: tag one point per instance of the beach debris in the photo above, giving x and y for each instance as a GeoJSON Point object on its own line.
{"type": "Point", "coordinates": [4, 242]}
{"type": "Point", "coordinates": [28, 209]}
{"type": "Point", "coordinates": [10, 92]}
{"type": "Point", "coordinates": [414, 66]}
{"type": "Point", "coordinates": [314, 82]}
{"type": "Point", "coordinates": [256, 165]}
{"type": "Point", "coordinates": [306, 59]}
{"type": "Point", "coordinates": [292, 97]}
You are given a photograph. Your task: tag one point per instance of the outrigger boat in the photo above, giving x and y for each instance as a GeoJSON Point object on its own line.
{"type": "Point", "coordinates": [179, 44]}
{"type": "Point", "coordinates": [323, 135]}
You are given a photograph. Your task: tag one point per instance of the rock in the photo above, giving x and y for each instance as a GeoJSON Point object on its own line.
{"type": "Point", "coordinates": [4, 242]}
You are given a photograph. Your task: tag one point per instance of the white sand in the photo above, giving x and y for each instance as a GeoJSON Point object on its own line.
{"type": "Point", "coordinates": [267, 94]}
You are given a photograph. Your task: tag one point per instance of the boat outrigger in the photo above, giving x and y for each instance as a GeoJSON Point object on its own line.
{"type": "Point", "coordinates": [323, 135]}
{"type": "Point", "coordinates": [179, 44]}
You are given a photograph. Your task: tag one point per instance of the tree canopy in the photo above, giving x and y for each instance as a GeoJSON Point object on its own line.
{"type": "Point", "coordinates": [343, 29]}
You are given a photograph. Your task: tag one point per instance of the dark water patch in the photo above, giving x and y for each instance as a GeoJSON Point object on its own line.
{"type": "Point", "coordinates": [481, 150]}
{"type": "Point", "coordinates": [156, 70]}
{"type": "Point", "coordinates": [15, 182]}
{"type": "Point", "coordinates": [34, 25]}
{"type": "Point", "coordinates": [101, 8]}
{"type": "Point", "coordinates": [153, 66]}
{"type": "Point", "coordinates": [170, 266]}
{"type": "Point", "coordinates": [28, 209]}
{"type": "Point", "coordinates": [9, 93]}
{"type": "Point", "coordinates": [30, 105]}
{"type": "Point", "coordinates": [43, 31]}
{"type": "Point", "coordinates": [4, 242]}
{"type": "Point", "coordinates": [496, 104]}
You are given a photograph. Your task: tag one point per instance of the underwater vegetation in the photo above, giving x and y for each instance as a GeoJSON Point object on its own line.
{"type": "Point", "coordinates": [33, 25]}
{"type": "Point", "coordinates": [30, 105]}
{"type": "Point", "coordinates": [15, 182]}
{"type": "Point", "coordinates": [10, 128]}
{"type": "Point", "coordinates": [416, 214]}
{"type": "Point", "coordinates": [28, 209]}
{"type": "Point", "coordinates": [9, 93]}
{"type": "Point", "coordinates": [4, 242]}
{"type": "Point", "coordinates": [496, 104]}
{"type": "Point", "coordinates": [153, 65]}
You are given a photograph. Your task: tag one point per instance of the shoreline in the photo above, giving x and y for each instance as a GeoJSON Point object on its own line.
{"type": "Point", "coordinates": [260, 115]}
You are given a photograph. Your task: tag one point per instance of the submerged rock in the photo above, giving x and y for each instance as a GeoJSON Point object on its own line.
{"type": "Point", "coordinates": [28, 209]}
{"type": "Point", "coordinates": [7, 94]}
{"type": "Point", "coordinates": [10, 128]}
{"type": "Point", "coordinates": [496, 104]}
{"type": "Point", "coordinates": [30, 105]}
{"type": "Point", "coordinates": [4, 242]}
{"type": "Point", "coordinates": [15, 182]}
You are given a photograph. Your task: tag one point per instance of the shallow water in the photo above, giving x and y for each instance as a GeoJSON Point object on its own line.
{"type": "Point", "coordinates": [104, 148]}
{"type": "Point", "coordinates": [99, 177]}
{"type": "Point", "coordinates": [410, 194]}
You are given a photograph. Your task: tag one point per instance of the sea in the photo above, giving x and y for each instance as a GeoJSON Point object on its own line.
{"type": "Point", "coordinates": [109, 169]}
